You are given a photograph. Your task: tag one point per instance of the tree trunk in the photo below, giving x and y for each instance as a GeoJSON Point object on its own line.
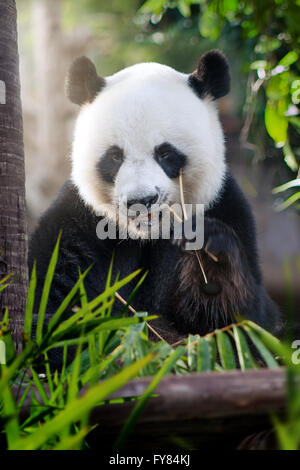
{"type": "Point", "coordinates": [13, 231]}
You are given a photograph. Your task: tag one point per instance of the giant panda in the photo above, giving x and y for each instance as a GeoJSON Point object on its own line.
{"type": "Point", "coordinates": [136, 131]}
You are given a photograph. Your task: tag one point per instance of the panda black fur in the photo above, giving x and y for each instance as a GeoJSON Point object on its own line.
{"type": "Point", "coordinates": [115, 149]}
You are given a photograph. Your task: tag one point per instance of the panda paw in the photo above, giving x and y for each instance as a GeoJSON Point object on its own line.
{"type": "Point", "coordinates": [220, 245]}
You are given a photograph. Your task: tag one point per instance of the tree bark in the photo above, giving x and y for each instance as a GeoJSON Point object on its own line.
{"type": "Point", "coordinates": [13, 232]}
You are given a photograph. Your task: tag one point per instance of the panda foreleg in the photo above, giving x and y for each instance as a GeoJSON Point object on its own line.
{"type": "Point", "coordinates": [226, 289]}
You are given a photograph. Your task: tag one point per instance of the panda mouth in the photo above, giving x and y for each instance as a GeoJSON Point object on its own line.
{"type": "Point", "coordinates": [147, 219]}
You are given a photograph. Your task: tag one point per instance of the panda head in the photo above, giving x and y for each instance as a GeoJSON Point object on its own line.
{"type": "Point", "coordinates": [138, 128]}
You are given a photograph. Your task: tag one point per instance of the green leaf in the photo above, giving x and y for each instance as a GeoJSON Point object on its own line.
{"type": "Point", "coordinates": [276, 124]}
{"type": "Point", "coordinates": [66, 302]}
{"type": "Point", "coordinates": [278, 87]}
{"type": "Point", "coordinates": [108, 293]}
{"type": "Point", "coordinates": [6, 278]}
{"type": "Point", "coordinates": [133, 293]}
{"type": "Point", "coordinates": [39, 386]}
{"type": "Point", "coordinates": [230, 5]}
{"type": "Point", "coordinates": [46, 291]}
{"type": "Point", "coordinates": [167, 366]}
{"type": "Point", "coordinates": [184, 7]}
{"type": "Point", "coordinates": [79, 407]}
{"type": "Point", "coordinates": [73, 442]}
{"type": "Point", "coordinates": [30, 303]}
{"type": "Point", "coordinates": [92, 349]}
{"type": "Point", "coordinates": [9, 414]}
{"type": "Point", "coordinates": [288, 202]}
{"type": "Point", "coordinates": [9, 372]}
{"type": "Point", "coordinates": [295, 92]}
{"type": "Point", "coordinates": [259, 64]}
{"type": "Point", "coordinates": [289, 157]}
{"type": "Point", "coordinates": [24, 395]}
{"type": "Point", "coordinates": [153, 6]}
{"type": "Point", "coordinates": [285, 436]}
{"type": "Point", "coordinates": [192, 351]}
{"type": "Point", "coordinates": [289, 59]}
{"type": "Point", "coordinates": [94, 372]}
{"type": "Point", "coordinates": [9, 347]}
{"type": "Point", "coordinates": [225, 350]}
{"type": "Point", "coordinates": [203, 355]}
{"type": "Point", "coordinates": [245, 358]}
{"type": "Point", "coordinates": [95, 326]}
{"type": "Point", "coordinates": [269, 341]}
{"type": "Point", "coordinates": [290, 184]}
{"type": "Point", "coordinates": [295, 121]}
{"type": "Point", "coordinates": [212, 351]}
{"type": "Point", "coordinates": [210, 24]}
{"type": "Point", "coordinates": [266, 44]}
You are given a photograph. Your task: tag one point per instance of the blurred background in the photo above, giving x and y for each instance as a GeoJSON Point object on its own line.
{"type": "Point", "coordinates": [260, 116]}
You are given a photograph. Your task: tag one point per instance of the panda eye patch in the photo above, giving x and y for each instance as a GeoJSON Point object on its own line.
{"type": "Point", "coordinates": [170, 159]}
{"type": "Point", "coordinates": [117, 155]}
{"type": "Point", "coordinates": [110, 163]}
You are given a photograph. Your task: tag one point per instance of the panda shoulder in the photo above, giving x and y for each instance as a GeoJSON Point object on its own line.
{"type": "Point", "coordinates": [231, 204]}
{"type": "Point", "coordinates": [68, 214]}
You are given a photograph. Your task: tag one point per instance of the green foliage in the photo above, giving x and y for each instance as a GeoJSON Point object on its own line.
{"type": "Point", "coordinates": [273, 28]}
{"type": "Point", "coordinates": [50, 410]}
{"type": "Point", "coordinates": [57, 416]}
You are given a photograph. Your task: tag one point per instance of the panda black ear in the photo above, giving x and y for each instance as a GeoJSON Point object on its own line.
{"type": "Point", "coordinates": [83, 83]}
{"type": "Point", "coordinates": [212, 76]}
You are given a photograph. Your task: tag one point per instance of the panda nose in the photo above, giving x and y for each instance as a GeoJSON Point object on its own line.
{"type": "Point", "coordinates": [145, 201]}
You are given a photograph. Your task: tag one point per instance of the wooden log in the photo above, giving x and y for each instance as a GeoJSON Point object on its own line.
{"type": "Point", "coordinates": [202, 409]}
{"type": "Point", "coordinates": [204, 395]}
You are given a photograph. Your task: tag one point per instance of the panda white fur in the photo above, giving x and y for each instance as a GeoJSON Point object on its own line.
{"type": "Point", "coordinates": [135, 132]}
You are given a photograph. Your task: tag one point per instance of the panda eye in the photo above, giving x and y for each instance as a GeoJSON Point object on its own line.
{"type": "Point", "coordinates": [165, 155]}
{"type": "Point", "coordinates": [169, 158]}
{"type": "Point", "coordinates": [116, 154]}
{"type": "Point", "coordinates": [163, 151]}
{"type": "Point", "coordinates": [117, 157]}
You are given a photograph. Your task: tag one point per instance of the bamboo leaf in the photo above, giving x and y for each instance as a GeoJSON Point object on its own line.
{"type": "Point", "coordinates": [225, 350]}
{"type": "Point", "coordinates": [192, 351]}
{"type": "Point", "coordinates": [39, 386]}
{"type": "Point", "coordinates": [289, 156]}
{"type": "Point", "coordinates": [203, 355]}
{"type": "Point", "coordinates": [212, 351]}
{"type": "Point", "coordinates": [289, 59]}
{"type": "Point", "coordinates": [24, 395]}
{"type": "Point", "coordinates": [276, 124]}
{"type": "Point", "coordinates": [9, 372]}
{"type": "Point", "coordinates": [73, 442]}
{"type": "Point", "coordinates": [153, 6]}
{"type": "Point", "coordinates": [66, 302]}
{"type": "Point", "coordinates": [109, 292]}
{"type": "Point", "coordinates": [6, 278]}
{"type": "Point", "coordinates": [245, 357]}
{"type": "Point", "coordinates": [10, 417]}
{"type": "Point", "coordinates": [79, 407]}
{"type": "Point", "coordinates": [46, 291]}
{"type": "Point", "coordinates": [30, 303]}
{"type": "Point", "coordinates": [288, 202]}
{"type": "Point", "coordinates": [96, 326]}
{"type": "Point", "coordinates": [137, 410]}
{"type": "Point", "coordinates": [93, 373]}
{"type": "Point", "coordinates": [263, 351]}
{"type": "Point", "coordinates": [271, 342]}
{"type": "Point", "coordinates": [290, 184]}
